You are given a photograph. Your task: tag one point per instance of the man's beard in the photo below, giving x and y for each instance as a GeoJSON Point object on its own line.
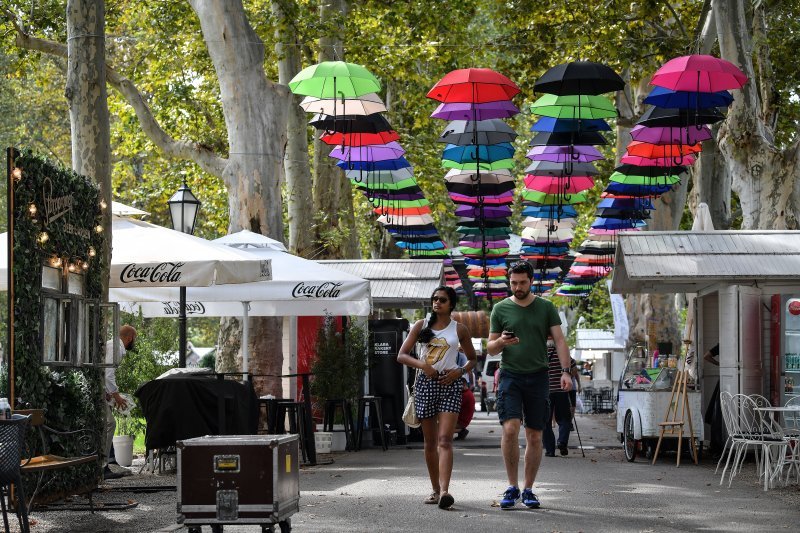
{"type": "Point", "coordinates": [523, 293]}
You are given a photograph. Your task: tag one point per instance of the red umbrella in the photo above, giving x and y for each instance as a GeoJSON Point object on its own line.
{"type": "Point", "coordinates": [699, 73]}
{"type": "Point", "coordinates": [551, 185]}
{"type": "Point", "coordinates": [473, 85]}
{"type": "Point", "coordinates": [360, 139]}
{"type": "Point", "coordinates": [403, 211]}
{"type": "Point", "coordinates": [662, 150]}
{"type": "Point", "coordinates": [656, 161]}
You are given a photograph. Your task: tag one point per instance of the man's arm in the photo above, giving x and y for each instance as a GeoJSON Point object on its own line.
{"type": "Point", "coordinates": [563, 356]}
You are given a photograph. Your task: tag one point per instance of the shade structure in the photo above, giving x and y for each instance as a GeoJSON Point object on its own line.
{"type": "Point", "coordinates": [564, 154]}
{"type": "Point", "coordinates": [561, 125]}
{"type": "Point", "coordinates": [551, 185]}
{"type": "Point", "coordinates": [550, 211]}
{"type": "Point", "coordinates": [544, 235]}
{"type": "Point", "coordinates": [542, 198]}
{"type": "Point", "coordinates": [671, 134]}
{"type": "Point", "coordinates": [248, 239]}
{"type": "Point", "coordinates": [484, 153]}
{"type": "Point", "coordinates": [662, 116]}
{"type": "Point", "coordinates": [374, 123]}
{"type": "Point", "coordinates": [579, 77]}
{"type": "Point", "coordinates": [699, 73]}
{"type": "Point", "coordinates": [370, 152]}
{"type": "Point", "coordinates": [506, 198]}
{"type": "Point", "coordinates": [471, 177]}
{"type": "Point", "coordinates": [656, 161]}
{"type": "Point", "coordinates": [574, 106]}
{"type": "Point", "coordinates": [366, 104]}
{"type": "Point", "coordinates": [473, 85]}
{"type": "Point", "coordinates": [663, 97]}
{"type": "Point", "coordinates": [639, 189]}
{"type": "Point", "coordinates": [463, 132]}
{"type": "Point", "coordinates": [146, 255]}
{"type": "Point", "coordinates": [470, 111]}
{"type": "Point", "coordinates": [548, 223]}
{"type": "Point", "coordinates": [547, 168]}
{"type": "Point", "coordinates": [565, 138]}
{"type": "Point", "coordinates": [334, 79]}
{"type": "Point", "coordinates": [388, 164]}
{"type": "Point", "coordinates": [359, 139]}
{"type": "Point", "coordinates": [661, 150]}
{"type": "Point", "coordinates": [500, 164]}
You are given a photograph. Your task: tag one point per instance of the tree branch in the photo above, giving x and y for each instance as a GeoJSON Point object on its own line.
{"type": "Point", "coordinates": [202, 156]}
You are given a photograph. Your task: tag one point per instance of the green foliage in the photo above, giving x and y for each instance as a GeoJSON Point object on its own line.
{"type": "Point", "coordinates": [71, 397]}
{"type": "Point", "coordinates": [209, 360]}
{"type": "Point", "coordinates": [340, 362]}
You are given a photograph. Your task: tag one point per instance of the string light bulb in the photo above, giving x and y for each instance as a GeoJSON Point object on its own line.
{"type": "Point", "coordinates": [32, 210]}
{"type": "Point", "coordinates": [98, 228]}
{"type": "Point", "coordinates": [92, 251]}
{"type": "Point", "coordinates": [71, 267]}
{"type": "Point", "coordinates": [16, 173]}
{"type": "Point", "coordinates": [85, 265]}
{"type": "Point", "coordinates": [103, 204]}
{"type": "Point", "coordinates": [55, 262]}
{"type": "Point", "coordinates": [43, 237]}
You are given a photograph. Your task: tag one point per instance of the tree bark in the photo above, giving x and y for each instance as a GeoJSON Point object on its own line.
{"type": "Point", "coordinates": [88, 103]}
{"type": "Point", "coordinates": [333, 197]}
{"type": "Point", "coordinates": [296, 166]}
{"type": "Point", "coordinates": [255, 111]}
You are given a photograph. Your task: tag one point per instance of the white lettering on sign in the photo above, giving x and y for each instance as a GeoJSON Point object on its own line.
{"type": "Point", "coordinates": [55, 207]}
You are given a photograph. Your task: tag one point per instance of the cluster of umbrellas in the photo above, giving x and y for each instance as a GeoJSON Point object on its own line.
{"type": "Point", "coordinates": [573, 114]}
{"type": "Point", "coordinates": [687, 93]}
{"type": "Point", "coordinates": [349, 114]}
{"type": "Point", "coordinates": [479, 158]}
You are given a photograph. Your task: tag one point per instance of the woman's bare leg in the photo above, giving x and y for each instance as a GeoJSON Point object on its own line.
{"type": "Point", "coordinates": [429, 432]}
{"type": "Point", "coordinates": [447, 425]}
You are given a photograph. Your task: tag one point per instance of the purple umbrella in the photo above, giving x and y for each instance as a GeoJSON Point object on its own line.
{"type": "Point", "coordinates": [489, 244]}
{"type": "Point", "coordinates": [670, 135]}
{"type": "Point", "coordinates": [486, 212]}
{"type": "Point", "coordinates": [564, 154]}
{"type": "Point", "coordinates": [468, 111]}
{"type": "Point", "coordinates": [369, 152]}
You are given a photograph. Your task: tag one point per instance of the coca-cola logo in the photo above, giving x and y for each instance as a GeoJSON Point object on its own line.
{"type": "Point", "coordinates": [328, 289]}
{"type": "Point", "coordinates": [794, 307]}
{"type": "Point", "coordinates": [161, 273]}
{"type": "Point", "coordinates": [192, 308]}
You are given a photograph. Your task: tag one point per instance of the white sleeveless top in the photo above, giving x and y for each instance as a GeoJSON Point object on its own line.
{"type": "Point", "coordinates": [442, 351]}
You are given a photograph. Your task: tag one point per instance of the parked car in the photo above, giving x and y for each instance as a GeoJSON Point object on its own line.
{"type": "Point", "coordinates": [488, 392]}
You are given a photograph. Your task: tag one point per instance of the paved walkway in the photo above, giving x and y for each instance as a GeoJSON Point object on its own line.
{"type": "Point", "coordinates": [372, 490]}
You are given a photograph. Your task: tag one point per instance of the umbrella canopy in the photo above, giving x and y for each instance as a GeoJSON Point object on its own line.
{"type": "Point", "coordinates": [471, 178]}
{"type": "Point", "coordinates": [663, 97]}
{"type": "Point", "coordinates": [474, 85]}
{"type": "Point", "coordinates": [501, 233]}
{"type": "Point", "coordinates": [567, 138]}
{"type": "Point", "coordinates": [662, 116]}
{"type": "Point", "coordinates": [473, 222]}
{"type": "Point", "coordinates": [471, 189]}
{"type": "Point", "coordinates": [547, 168]}
{"type": "Point", "coordinates": [574, 106]}
{"type": "Point", "coordinates": [374, 123]}
{"type": "Point", "coordinates": [671, 134]}
{"type": "Point", "coordinates": [699, 73]}
{"type": "Point", "coordinates": [246, 239]}
{"type": "Point", "coordinates": [376, 177]}
{"type": "Point", "coordinates": [360, 139]}
{"type": "Point", "coordinates": [550, 211]}
{"type": "Point", "coordinates": [471, 153]}
{"type": "Point", "coordinates": [661, 150]}
{"type": "Point", "coordinates": [369, 166]}
{"type": "Point", "coordinates": [579, 77]}
{"type": "Point", "coordinates": [548, 223]}
{"type": "Point", "coordinates": [369, 152]}
{"type": "Point", "coordinates": [635, 189]}
{"type": "Point", "coordinates": [366, 104]}
{"type": "Point", "coordinates": [334, 79]}
{"type": "Point", "coordinates": [656, 161]}
{"type": "Point", "coordinates": [551, 185]}
{"type": "Point", "coordinates": [639, 179]}
{"type": "Point", "coordinates": [463, 132]}
{"type": "Point", "coordinates": [486, 211]}
{"type": "Point", "coordinates": [500, 164]}
{"type": "Point", "coordinates": [543, 198]}
{"type": "Point", "coordinates": [564, 154]}
{"type": "Point", "coordinates": [616, 223]}
{"type": "Point", "coordinates": [469, 111]}
{"type": "Point", "coordinates": [544, 235]}
{"type": "Point", "coordinates": [506, 198]}
{"type": "Point", "coordinates": [650, 171]}
{"type": "Point", "coordinates": [561, 125]}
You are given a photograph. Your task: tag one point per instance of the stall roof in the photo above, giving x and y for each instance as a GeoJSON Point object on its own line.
{"type": "Point", "coordinates": [400, 283]}
{"type": "Point", "coordinates": [684, 261]}
{"type": "Point", "coordinates": [596, 339]}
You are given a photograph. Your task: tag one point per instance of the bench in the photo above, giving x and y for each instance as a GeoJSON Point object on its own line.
{"type": "Point", "coordinates": [41, 459]}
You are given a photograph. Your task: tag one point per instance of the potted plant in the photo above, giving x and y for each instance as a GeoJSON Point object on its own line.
{"type": "Point", "coordinates": [338, 369]}
{"type": "Point", "coordinates": [127, 428]}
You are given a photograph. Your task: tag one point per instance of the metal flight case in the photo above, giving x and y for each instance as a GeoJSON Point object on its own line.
{"type": "Point", "coordinates": [238, 479]}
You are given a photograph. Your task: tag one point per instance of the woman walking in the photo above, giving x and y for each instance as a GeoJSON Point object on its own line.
{"type": "Point", "coordinates": [437, 389]}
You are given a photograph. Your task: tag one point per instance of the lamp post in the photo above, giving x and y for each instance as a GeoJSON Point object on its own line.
{"type": "Point", "coordinates": [183, 208]}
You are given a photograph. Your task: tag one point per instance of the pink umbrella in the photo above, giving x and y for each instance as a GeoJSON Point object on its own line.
{"type": "Point", "coordinates": [501, 199]}
{"type": "Point", "coordinates": [564, 154]}
{"type": "Point", "coordinates": [670, 135]}
{"type": "Point", "coordinates": [656, 161]}
{"type": "Point", "coordinates": [700, 73]}
{"type": "Point", "coordinates": [369, 152]}
{"type": "Point", "coordinates": [551, 185]}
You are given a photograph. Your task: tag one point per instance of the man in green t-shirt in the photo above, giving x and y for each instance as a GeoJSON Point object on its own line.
{"type": "Point", "coordinates": [519, 329]}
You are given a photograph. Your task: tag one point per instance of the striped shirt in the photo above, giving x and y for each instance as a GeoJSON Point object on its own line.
{"type": "Point", "coordinates": [555, 369]}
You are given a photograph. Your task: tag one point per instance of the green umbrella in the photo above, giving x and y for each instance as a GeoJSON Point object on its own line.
{"type": "Point", "coordinates": [633, 179]}
{"type": "Point", "coordinates": [379, 183]}
{"type": "Point", "coordinates": [334, 79]}
{"type": "Point", "coordinates": [553, 199]}
{"type": "Point", "coordinates": [494, 165]}
{"type": "Point", "coordinates": [573, 106]}
{"type": "Point", "coordinates": [399, 204]}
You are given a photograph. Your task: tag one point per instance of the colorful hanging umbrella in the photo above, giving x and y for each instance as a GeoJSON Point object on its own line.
{"type": "Point", "coordinates": [544, 235]}
{"type": "Point", "coordinates": [663, 97]}
{"type": "Point", "coordinates": [366, 104]}
{"type": "Point", "coordinates": [501, 164]}
{"type": "Point", "coordinates": [699, 73]}
{"type": "Point", "coordinates": [567, 138]}
{"type": "Point", "coordinates": [652, 172]}
{"type": "Point", "coordinates": [369, 152]}
{"type": "Point", "coordinates": [471, 177]}
{"type": "Point", "coordinates": [501, 233]}
{"type": "Point", "coordinates": [552, 185]}
{"type": "Point", "coordinates": [638, 179]}
{"type": "Point", "coordinates": [550, 211]}
{"type": "Point", "coordinates": [661, 150]}
{"type": "Point", "coordinates": [542, 198]}
{"type": "Point", "coordinates": [389, 164]}
{"type": "Point", "coordinates": [463, 132]}
{"type": "Point", "coordinates": [360, 139]}
{"type": "Point", "coordinates": [546, 168]}
{"type": "Point", "coordinates": [501, 199]}
{"type": "Point", "coordinates": [380, 176]}
{"type": "Point", "coordinates": [636, 189]}
{"type": "Point", "coordinates": [564, 154]}
{"type": "Point", "coordinates": [561, 125]}
{"type": "Point", "coordinates": [487, 211]}
{"type": "Point", "coordinates": [662, 116]}
{"type": "Point", "coordinates": [374, 123]}
{"type": "Point", "coordinates": [548, 223]}
{"type": "Point", "coordinates": [334, 79]}
{"type": "Point", "coordinates": [574, 106]}
{"type": "Point", "coordinates": [616, 223]}
{"type": "Point", "coordinates": [469, 111]}
{"type": "Point", "coordinates": [474, 85]}
{"type": "Point", "coordinates": [484, 153]}
{"type": "Point", "coordinates": [656, 161]}
{"type": "Point", "coordinates": [470, 189]}
{"type": "Point", "coordinates": [671, 135]}
{"type": "Point", "coordinates": [579, 77]}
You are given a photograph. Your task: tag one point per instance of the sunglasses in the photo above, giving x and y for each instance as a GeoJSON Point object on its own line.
{"type": "Point", "coordinates": [440, 299]}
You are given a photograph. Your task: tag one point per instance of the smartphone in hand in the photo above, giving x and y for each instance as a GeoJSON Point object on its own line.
{"type": "Point", "coordinates": [509, 334]}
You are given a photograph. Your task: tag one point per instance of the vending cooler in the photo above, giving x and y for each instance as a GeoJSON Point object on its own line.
{"type": "Point", "coordinates": [785, 348]}
{"type": "Point", "coordinates": [238, 479]}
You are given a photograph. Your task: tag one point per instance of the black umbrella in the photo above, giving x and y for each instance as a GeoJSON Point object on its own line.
{"type": "Point", "coordinates": [488, 222]}
{"type": "Point", "coordinates": [486, 189]}
{"type": "Point", "coordinates": [681, 118]}
{"type": "Point", "coordinates": [374, 123]}
{"type": "Point", "coordinates": [579, 77]}
{"type": "Point", "coordinates": [650, 172]}
{"type": "Point", "coordinates": [612, 212]}
{"type": "Point", "coordinates": [481, 132]}
{"type": "Point", "coordinates": [547, 138]}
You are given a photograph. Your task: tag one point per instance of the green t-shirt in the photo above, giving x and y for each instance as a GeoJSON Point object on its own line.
{"type": "Point", "coordinates": [532, 325]}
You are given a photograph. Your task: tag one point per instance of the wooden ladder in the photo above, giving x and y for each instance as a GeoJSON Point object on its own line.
{"type": "Point", "coordinates": [678, 414]}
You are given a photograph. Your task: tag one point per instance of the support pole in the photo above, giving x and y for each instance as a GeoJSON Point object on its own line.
{"type": "Point", "coordinates": [182, 330]}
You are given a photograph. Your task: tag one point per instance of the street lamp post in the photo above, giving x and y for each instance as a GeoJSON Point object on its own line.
{"type": "Point", "coordinates": [183, 209]}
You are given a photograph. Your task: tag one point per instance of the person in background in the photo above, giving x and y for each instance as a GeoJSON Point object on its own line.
{"type": "Point", "coordinates": [437, 392]}
{"type": "Point", "coordinates": [713, 414]}
{"type": "Point", "coordinates": [467, 401]}
{"type": "Point", "coordinates": [127, 338]}
{"type": "Point", "coordinates": [559, 408]}
{"type": "Point", "coordinates": [576, 389]}
{"type": "Point", "coordinates": [519, 328]}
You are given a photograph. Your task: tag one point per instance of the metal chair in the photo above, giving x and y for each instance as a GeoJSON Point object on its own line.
{"type": "Point", "coordinates": [725, 399]}
{"type": "Point", "coordinates": [747, 427]}
{"type": "Point", "coordinates": [12, 440]}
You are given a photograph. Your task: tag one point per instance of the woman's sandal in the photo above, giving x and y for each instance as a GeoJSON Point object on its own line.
{"type": "Point", "coordinates": [433, 498]}
{"type": "Point", "coordinates": [446, 501]}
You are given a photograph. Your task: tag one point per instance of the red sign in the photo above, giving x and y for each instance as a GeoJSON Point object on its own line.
{"type": "Point", "coordinates": [794, 307]}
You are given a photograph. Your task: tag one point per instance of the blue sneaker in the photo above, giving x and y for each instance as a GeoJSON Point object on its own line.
{"type": "Point", "coordinates": [510, 497]}
{"type": "Point", "coordinates": [529, 499]}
